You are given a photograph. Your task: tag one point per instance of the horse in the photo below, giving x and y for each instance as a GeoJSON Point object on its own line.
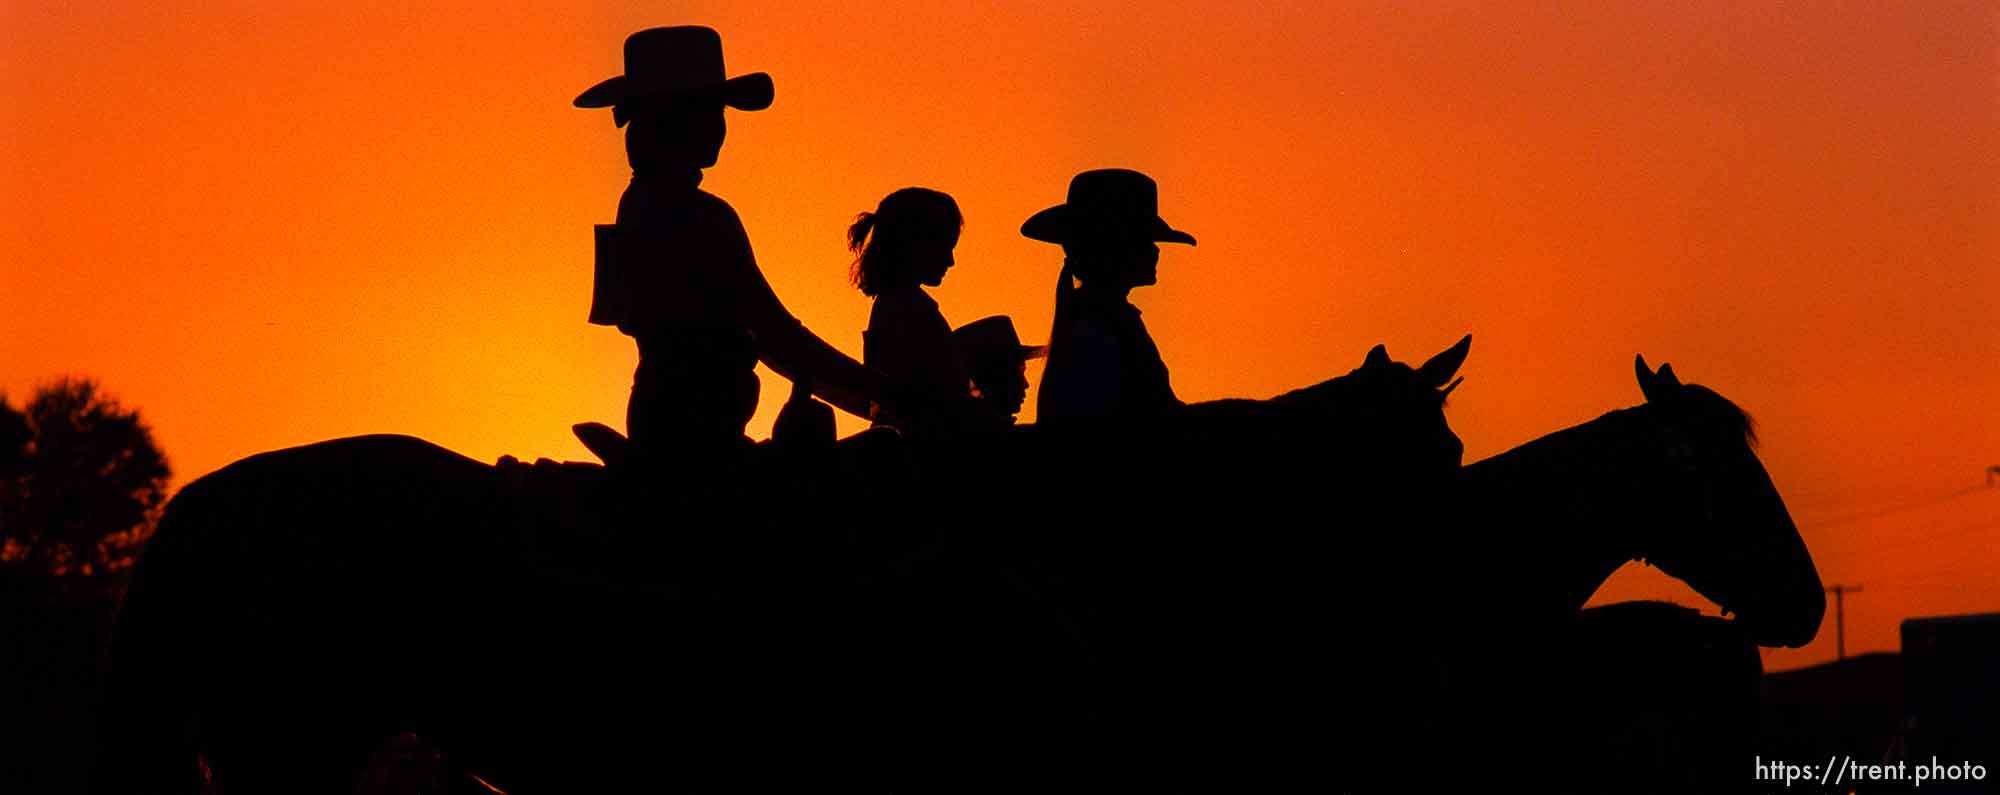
{"type": "Point", "coordinates": [297, 607]}
{"type": "Point", "coordinates": [1171, 625]}
{"type": "Point", "coordinates": [1674, 482]}
{"type": "Point", "coordinates": [1457, 601]}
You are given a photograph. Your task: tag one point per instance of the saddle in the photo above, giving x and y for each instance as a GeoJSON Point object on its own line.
{"type": "Point", "coordinates": [805, 426]}
{"type": "Point", "coordinates": [630, 522]}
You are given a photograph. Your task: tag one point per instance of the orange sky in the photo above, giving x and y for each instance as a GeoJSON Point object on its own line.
{"type": "Point", "coordinates": [268, 228]}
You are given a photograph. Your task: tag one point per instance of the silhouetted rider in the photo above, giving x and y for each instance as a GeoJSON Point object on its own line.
{"type": "Point", "coordinates": [676, 272]}
{"type": "Point", "coordinates": [1103, 364]}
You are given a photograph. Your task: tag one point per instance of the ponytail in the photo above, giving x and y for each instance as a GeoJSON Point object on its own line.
{"type": "Point", "coordinates": [1065, 299]}
{"type": "Point", "coordinates": [857, 242]}
{"type": "Point", "coordinates": [857, 234]}
{"type": "Point", "coordinates": [879, 267]}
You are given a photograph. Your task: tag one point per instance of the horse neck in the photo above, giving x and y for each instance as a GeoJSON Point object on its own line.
{"type": "Point", "coordinates": [1557, 514]}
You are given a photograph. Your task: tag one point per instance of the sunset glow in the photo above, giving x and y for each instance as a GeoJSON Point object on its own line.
{"type": "Point", "coordinates": [267, 228]}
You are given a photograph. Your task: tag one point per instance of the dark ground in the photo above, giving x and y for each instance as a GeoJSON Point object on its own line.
{"type": "Point", "coordinates": [54, 635]}
{"type": "Point", "coordinates": [54, 651]}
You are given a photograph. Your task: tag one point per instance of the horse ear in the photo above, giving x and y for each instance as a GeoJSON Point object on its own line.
{"type": "Point", "coordinates": [1378, 356]}
{"type": "Point", "coordinates": [1645, 375]}
{"type": "Point", "coordinates": [1667, 377]}
{"type": "Point", "coordinates": [1653, 385]}
{"type": "Point", "coordinates": [1440, 368]}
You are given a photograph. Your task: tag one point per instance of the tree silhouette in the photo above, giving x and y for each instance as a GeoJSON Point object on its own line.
{"type": "Point", "coordinates": [81, 482]}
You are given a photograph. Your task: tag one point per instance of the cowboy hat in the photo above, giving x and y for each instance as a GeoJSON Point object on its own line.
{"type": "Point", "coordinates": [677, 60]}
{"type": "Point", "coordinates": [1106, 203]}
{"type": "Point", "coordinates": [992, 339]}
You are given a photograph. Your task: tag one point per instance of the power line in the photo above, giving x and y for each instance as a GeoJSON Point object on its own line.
{"type": "Point", "coordinates": [1840, 591]}
{"type": "Point", "coordinates": [1924, 536]}
{"type": "Point", "coordinates": [1971, 589]}
{"type": "Point", "coordinates": [1875, 481]}
{"type": "Point", "coordinates": [1958, 569]}
{"type": "Point", "coordinates": [1906, 506]}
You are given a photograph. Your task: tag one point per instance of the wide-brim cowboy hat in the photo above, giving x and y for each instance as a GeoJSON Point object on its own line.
{"type": "Point", "coordinates": [684, 60]}
{"type": "Point", "coordinates": [1111, 203]}
{"type": "Point", "coordinates": [994, 339]}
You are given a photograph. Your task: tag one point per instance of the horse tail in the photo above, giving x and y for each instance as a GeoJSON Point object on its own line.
{"type": "Point", "coordinates": [147, 735]}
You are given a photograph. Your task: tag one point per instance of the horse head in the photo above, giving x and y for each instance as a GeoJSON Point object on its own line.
{"type": "Point", "coordinates": [1720, 524]}
{"type": "Point", "coordinates": [1382, 422]}
{"type": "Point", "coordinates": [1398, 408]}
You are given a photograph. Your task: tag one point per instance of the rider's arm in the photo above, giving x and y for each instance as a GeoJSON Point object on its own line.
{"type": "Point", "coordinates": [792, 350]}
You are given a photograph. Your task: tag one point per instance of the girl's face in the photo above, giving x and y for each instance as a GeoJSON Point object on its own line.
{"type": "Point", "coordinates": [1118, 264]}
{"type": "Point", "coordinates": [930, 255]}
{"type": "Point", "coordinates": [1142, 264]}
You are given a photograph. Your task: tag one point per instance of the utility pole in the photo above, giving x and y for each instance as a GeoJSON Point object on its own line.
{"type": "Point", "coordinates": [1840, 616]}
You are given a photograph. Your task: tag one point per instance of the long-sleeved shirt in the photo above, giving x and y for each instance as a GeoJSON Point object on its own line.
{"type": "Point", "coordinates": [908, 341]}
{"type": "Point", "coordinates": [684, 265]}
{"type": "Point", "coordinates": [1103, 366]}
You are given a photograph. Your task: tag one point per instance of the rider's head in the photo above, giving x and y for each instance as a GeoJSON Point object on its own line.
{"type": "Point", "coordinates": [672, 95]}
{"type": "Point", "coordinates": [997, 362]}
{"type": "Point", "coordinates": [905, 242]}
{"type": "Point", "coordinates": [1113, 262]}
{"type": "Point", "coordinates": [1110, 229]}
{"type": "Point", "coordinates": [674, 132]}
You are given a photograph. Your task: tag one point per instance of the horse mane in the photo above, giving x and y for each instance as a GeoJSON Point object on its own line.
{"type": "Point", "coordinates": [1725, 411]}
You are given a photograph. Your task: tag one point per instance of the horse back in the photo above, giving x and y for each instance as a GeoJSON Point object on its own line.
{"type": "Point", "coordinates": [258, 561]}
